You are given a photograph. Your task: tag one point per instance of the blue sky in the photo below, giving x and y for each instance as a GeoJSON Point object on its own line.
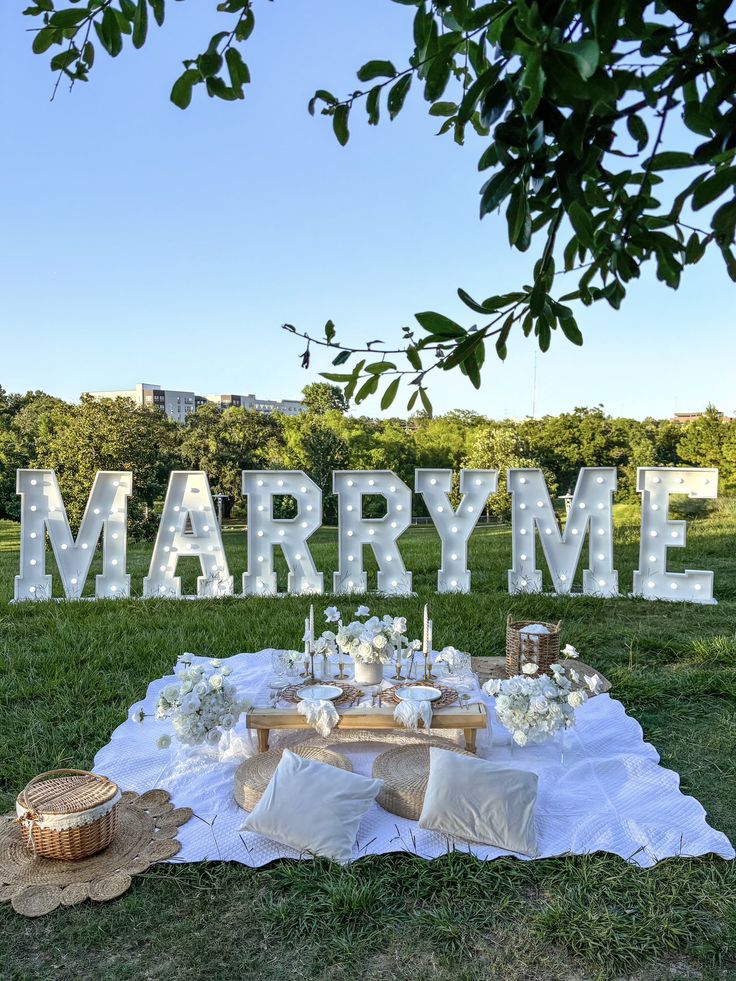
{"type": "Point", "coordinates": [142, 243]}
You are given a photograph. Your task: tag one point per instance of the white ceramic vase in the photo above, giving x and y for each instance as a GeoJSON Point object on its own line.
{"type": "Point", "coordinates": [368, 672]}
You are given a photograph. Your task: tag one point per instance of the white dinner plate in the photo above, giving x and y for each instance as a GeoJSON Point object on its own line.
{"type": "Point", "coordinates": [419, 693]}
{"type": "Point", "coordinates": [319, 692]}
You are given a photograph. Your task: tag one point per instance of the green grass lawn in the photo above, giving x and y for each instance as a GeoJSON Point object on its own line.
{"type": "Point", "coordinates": [68, 672]}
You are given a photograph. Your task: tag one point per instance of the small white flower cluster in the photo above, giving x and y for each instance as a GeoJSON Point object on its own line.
{"type": "Point", "coordinates": [452, 657]}
{"type": "Point", "coordinates": [535, 708]}
{"type": "Point", "coordinates": [201, 704]}
{"type": "Point", "coordinates": [367, 641]}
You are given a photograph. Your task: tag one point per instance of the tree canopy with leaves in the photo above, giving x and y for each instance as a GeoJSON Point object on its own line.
{"type": "Point", "coordinates": [581, 104]}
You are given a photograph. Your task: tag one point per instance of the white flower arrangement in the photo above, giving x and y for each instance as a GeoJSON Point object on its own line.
{"type": "Point", "coordinates": [534, 708]}
{"type": "Point", "coordinates": [201, 704]}
{"type": "Point", "coordinates": [453, 658]}
{"type": "Point", "coordinates": [367, 641]}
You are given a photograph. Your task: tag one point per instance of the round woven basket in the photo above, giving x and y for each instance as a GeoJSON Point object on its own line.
{"type": "Point", "coordinates": [67, 814]}
{"type": "Point", "coordinates": [253, 775]}
{"type": "Point", "coordinates": [521, 649]}
{"type": "Point", "coordinates": [405, 772]}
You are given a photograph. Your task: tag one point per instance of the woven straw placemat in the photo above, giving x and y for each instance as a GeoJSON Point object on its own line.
{"type": "Point", "coordinates": [405, 772]}
{"type": "Point", "coordinates": [253, 775]}
{"type": "Point", "coordinates": [349, 692]}
{"type": "Point", "coordinates": [448, 697]}
{"type": "Point", "coordinates": [147, 825]}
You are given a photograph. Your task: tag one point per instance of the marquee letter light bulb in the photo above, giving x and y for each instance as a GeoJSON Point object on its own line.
{"type": "Point", "coordinates": [106, 513]}
{"type": "Point", "coordinates": [455, 527]}
{"type": "Point", "coordinates": [355, 531]}
{"type": "Point", "coordinates": [532, 507]}
{"type": "Point", "coordinates": [658, 533]}
{"type": "Point", "coordinates": [188, 504]}
{"type": "Point", "coordinates": [291, 534]}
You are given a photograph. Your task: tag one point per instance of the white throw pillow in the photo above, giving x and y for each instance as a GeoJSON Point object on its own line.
{"type": "Point", "coordinates": [313, 807]}
{"type": "Point", "coordinates": [476, 800]}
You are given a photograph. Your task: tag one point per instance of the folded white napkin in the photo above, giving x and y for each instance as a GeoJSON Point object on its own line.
{"type": "Point", "coordinates": [321, 715]}
{"type": "Point", "coordinates": [410, 714]}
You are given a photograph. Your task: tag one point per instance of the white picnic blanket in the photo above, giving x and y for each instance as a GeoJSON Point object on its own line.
{"type": "Point", "coordinates": [610, 794]}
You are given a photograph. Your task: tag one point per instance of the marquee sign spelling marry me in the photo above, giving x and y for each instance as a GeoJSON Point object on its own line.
{"type": "Point", "coordinates": [189, 527]}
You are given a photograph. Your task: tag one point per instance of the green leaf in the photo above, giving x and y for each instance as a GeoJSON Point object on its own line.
{"type": "Point", "coordinates": [376, 69]}
{"type": "Point", "coordinates": [586, 55]}
{"type": "Point", "coordinates": [209, 63]}
{"type": "Point", "coordinates": [425, 401]}
{"type": "Point", "coordinates": [439, 325]}
{"type": "Point", "coordinates": [368, 388]}
{"type": "Point", "coordinates": [713, 187]}
{"type": "Point", "coordinates": [321, 95]}
{"type": "Point", "coordinates": [340, 124]}
{"type": "Point", "coordinates": [412, 400]}
{"type": "Point", "coordinates": [158, 7]}
{"type": "Point", "coordinates": [519, 219]}
{"type": "Point", "coordinates": [494, 102]}
{"type": "Point", "coordinates": [582, 223]}
{"type": "Point", "coordinates": [672, 160]}
{"type": "Point", "coordinates": [64, 59]}
{"type": "Point", "coordinates": [68, 18]}
{"type": "Point", "coordinates": [379, 367]}
{"type": "Point", "coordinates": [724, 221]}
{"type": "Point", "coordinates": [638, 131]}
{"type": "Point", "coordinates": [412, 356]}
{"type": "Point", "coordinates": [140, 24]}
{"type": "Point", "coordinates": [397, 96]}
{"type": "Point", "coordinates": [390, 394]}
{"type": "Point", "coordinates": [470, 302]}
{"type": "Point", "coordinates": [332, 376]}
{"type": "Point", "coordinates": [44, 39]}
{"type": "Point", "coordinates": [181, 93]}
{"type": "Point", "coordinates": [498, 187]}
{"type": "Point", "coordinates": [443, 109]}
{"type": "Point", "coordinates": [238, 70]}
{"type": "Point", "coordinates": [373, 105]}
{"type": "Point", "coordinates": [464, 351]}
{"type": "Point", "coordinates": [329, 331]}
{"type": "Point", "coordinates": [544, 334]}
{"type": "Point", "coordinates": [570, 329]}
{"type": "Point", "coordinates": [342, 357]}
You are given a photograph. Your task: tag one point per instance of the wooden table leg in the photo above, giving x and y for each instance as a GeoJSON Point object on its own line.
{"type": "Point", "coordinates": [263, 735]}
{"type": "Point", "coordinates": [470, 735]}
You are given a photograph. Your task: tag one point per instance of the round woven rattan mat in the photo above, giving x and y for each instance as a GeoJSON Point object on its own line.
{"type": "Point", "coordinates": [253, 775]}
{"type": "Point", "coordinates": [405, 772]}
{"type": "Point", "coordinates": [147, 825]}
{"type": "Point", "coordinates": [349, 692]}
{"type": "Point", "coordinates": [448, 697]}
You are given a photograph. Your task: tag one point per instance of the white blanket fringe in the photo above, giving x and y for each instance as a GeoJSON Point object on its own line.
{"type": "Point", "coordinates": [410, 714]}
{"type": "Point", "coordinates": [321, 715]}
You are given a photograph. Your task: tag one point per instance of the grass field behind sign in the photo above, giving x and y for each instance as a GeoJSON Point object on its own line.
{"type": "Point", "coordinates": [69, 671]}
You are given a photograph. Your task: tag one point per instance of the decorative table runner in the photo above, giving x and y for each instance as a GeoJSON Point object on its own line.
{"type": "Point", "coordinates": [610, 795]}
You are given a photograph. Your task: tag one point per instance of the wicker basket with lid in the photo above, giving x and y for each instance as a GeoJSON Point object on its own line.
{"type": "Point", "coordinates": [524, 646]}
{"type": "Point", "coordinates": [67, 814]}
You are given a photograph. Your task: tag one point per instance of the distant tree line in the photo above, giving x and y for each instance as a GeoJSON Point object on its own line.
{"type": "Point", "coordinates": [38, 430]}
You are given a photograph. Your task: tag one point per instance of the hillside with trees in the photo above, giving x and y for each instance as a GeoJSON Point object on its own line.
{"type": "Point", "coordinates": [38, 430]}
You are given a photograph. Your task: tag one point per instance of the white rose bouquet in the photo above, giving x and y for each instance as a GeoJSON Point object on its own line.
{"type": "Point", "coordinates": [368, 641]}
{"type": "Point", "coordinates": [534, 708]}
{"type": "Point", "coordinates": [201, 704]}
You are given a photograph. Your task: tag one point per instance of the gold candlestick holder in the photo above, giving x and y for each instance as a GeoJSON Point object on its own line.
{"type": "Point", "coordinates": [398, 676]}
{"type": "Point", "coordinates": [341, 676]}
{"type": "Point", "coordinates": [428, 676]}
